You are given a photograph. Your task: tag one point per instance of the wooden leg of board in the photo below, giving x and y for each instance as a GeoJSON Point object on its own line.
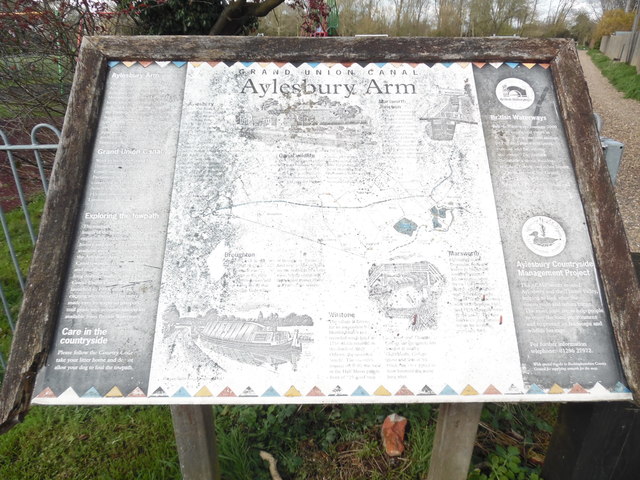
{"type": "Point", "coordinates": [194, 429]}
{"type": "Point", "coordinates": [595, 441]}
{"type": "Point", "coordinates": [453, 444]}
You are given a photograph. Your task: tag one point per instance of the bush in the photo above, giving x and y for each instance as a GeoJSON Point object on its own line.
{"type": "Point", "coordinates": [614, 21]}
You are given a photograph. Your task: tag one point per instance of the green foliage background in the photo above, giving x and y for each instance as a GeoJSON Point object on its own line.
{"type": "Point", "coordinates": [173, 17]}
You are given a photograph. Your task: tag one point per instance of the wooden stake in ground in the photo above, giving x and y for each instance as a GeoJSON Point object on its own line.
{"type": "Point", "coordinates": [193, 426]}
{"type": "Point", "coordinates": [453, 444]}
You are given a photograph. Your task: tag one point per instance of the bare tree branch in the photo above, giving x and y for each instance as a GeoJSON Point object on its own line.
{"type": "Point", "coordinates": [239, 13]}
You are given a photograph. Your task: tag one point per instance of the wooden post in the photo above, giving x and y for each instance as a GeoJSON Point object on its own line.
{"type": "Point", "coordinates": [194, 429]}
{"type": "Point", "coordinates": [453, 444]}
{"type": "Point", "coordinates": [598, 441]}
{"type": "Point", "coordinates": [595, 440]}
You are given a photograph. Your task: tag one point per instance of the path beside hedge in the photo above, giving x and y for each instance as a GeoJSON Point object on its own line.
{"type": "Point", "coordinates": [622, 123]}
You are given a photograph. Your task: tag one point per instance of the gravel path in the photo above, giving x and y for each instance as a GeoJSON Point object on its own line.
{"type": "Point", "coordinates": [622, 123]}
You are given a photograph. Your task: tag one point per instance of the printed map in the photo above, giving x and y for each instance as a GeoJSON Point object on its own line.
{"type": "Point", "coordinates": [332, 203]}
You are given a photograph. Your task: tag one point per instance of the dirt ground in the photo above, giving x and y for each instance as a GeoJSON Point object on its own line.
{"type": "Point", "coordinates": [622, 123]}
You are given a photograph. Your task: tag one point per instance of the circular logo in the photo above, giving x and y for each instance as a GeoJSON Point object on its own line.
{"type": "Point", "coordinates": [544, 236]}
{"type": "Point", "coordinates": [515, 94]}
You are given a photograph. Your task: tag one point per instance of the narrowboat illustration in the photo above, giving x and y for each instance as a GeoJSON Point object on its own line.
{"type": "Point", "coordinates": [248, 334]}
{"type": "Point", "coordinates": [261, 341]}
{"type": "Point", "coordinates": [251, 343]}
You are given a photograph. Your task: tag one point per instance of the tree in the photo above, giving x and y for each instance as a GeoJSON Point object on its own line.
{"type": "Point", "coordinates": [411, 17]}
{"type": "Point", "coordinates": [613, 21]}
{"type": "Point", "coordinates": [451, 17]}
{"type": "Point", "coordinates": [362, 17]}
{"type": "Point", "coordinates": [497, 17]}
{"type": "Point", "coordinates": [172, 17]}
{"type": "Point", "coordinates": [602, 6]}
{"type": "Point", "coordinates": [583, 28]}
{"type": "Point", "coordinates": [200, 17]}
{"type": "Point", "coordinates": [39, 40]}
{"type": "Point", "coordinates": [607, 5]}
{"type": "Point", "coordinates": [239, 14]}
{"type": "Point", "coordinates": [305, 19]}
{"type": "Point", "coordinates": [281, 22]}
{"type": "Point", "coordinates": [557, 17]}
{"type": "Point", "coordinates": [316, 14]}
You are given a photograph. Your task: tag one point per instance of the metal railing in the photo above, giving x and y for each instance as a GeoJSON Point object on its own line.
{"type": "Point", "coordinates": [15, 156]}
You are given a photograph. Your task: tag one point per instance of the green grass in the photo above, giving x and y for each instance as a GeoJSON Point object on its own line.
{"type": "Point", "coordinates": [309, 442]}
{"type": "Point", "coordinates": [5, 112]}
{"type": "Point", "coordinates": [322, 442]}
{"type": "Point", "coordinates": [23, 247]}
{"type": "Point", "coordinates": [44, 69]}
{"type": "Point", "coordinates": [622, 76]}
{"type": "Point", "coordinates": [90, 443]}
{"type": "Point", "coordinates": [43, 85]}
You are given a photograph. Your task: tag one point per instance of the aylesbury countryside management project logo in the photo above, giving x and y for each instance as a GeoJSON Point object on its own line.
{"type": "Point", "coordinates": [515, 94]}
{"type": "Point", "coordinates": [544, 236]}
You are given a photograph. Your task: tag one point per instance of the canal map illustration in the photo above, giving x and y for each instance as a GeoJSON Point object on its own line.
{"type": "Point", "coordinates": [319, 227]}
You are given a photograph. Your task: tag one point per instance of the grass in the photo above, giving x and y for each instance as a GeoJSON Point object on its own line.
{"type": "Point", "coordinates": [23, 247]}
{"type": "Point", "coordinates": [34, 86]}
{"type": "Point", "coordinates": [322, 442]}
{"type": "Point", "coordinates": [45, 67]}
{"type": "Point", "coordinates": [90, 443]}
{"type": "Point", "coordinates": [5, 112]}
{"type": "Point", "coordinates": [622, 76]}
{"type": "Point", "coordinates": [309, 442]}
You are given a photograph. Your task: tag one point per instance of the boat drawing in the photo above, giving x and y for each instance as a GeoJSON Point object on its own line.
{"type": "Point", "coordinates": [251, 343]}
{"type": "Point", "coordinates": [248, 333]}
{"type": "Point", "coordinates": [260, 341]}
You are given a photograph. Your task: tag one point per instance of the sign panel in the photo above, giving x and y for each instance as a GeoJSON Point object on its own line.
{"type": "Point", "coordinates": [331, 232]}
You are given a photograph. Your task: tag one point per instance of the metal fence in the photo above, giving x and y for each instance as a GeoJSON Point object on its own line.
{"type": "Point", "coordinates": [24, 160]}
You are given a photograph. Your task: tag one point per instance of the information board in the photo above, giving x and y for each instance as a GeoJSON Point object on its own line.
{"type": "Point", "coordinates": [267, 232]}
{"type": "Point", "coordinates": [251, 221]}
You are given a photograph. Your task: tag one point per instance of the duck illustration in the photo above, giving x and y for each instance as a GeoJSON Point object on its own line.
{"type": "Point", "coordinates": [541, 239]}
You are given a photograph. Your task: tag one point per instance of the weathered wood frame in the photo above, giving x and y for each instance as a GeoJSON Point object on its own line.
{"type": "Point", "coordinates": [38, 315]}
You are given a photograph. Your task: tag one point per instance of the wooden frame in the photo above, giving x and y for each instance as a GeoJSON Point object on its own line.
{"type": "Point", "coordinates": [37, 319]}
